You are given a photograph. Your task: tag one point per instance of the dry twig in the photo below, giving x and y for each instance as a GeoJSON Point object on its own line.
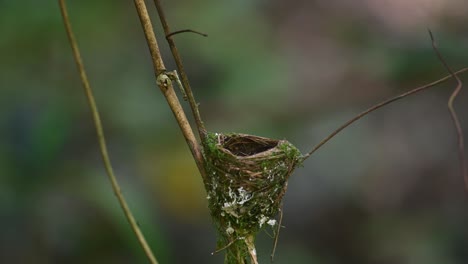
{"type": "Point", "coordinates": [453, 113]}
{"type": "Point", "coordinates": [186, 31]}
{"type": "Point", "coordinates": [275, 243]}
{"type": "Point", "coordinates": [101, 138]}
{"type": "Point", "coordinates": [377, 106]}
{"type": "Point", "coordinates": [180, 67]}
{"type": "Point", "coordinates": [167, 89]}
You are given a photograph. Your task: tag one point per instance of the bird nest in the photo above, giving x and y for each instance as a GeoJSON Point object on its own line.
{"type": "Point", "coordinates": [247, 178]}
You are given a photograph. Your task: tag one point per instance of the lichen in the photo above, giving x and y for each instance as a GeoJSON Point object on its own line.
{"type": "Point", "coordinates": [247, 180]}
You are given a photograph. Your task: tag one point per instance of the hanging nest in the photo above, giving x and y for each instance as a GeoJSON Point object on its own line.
{"type": "Point", "coordinates": [247, 178]}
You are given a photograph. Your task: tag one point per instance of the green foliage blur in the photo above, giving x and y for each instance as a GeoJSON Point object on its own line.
{"type": "Point", "coordinates": [386, 190]}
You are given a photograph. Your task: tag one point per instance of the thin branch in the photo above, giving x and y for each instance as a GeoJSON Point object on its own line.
{"type": "Point", "coordinates": [275, 243]}
{"type": "Point", "coordinates": [272, 236]}
{"type": "Point", "coordinates": [167, 88]}
{"type": "Point", "coordinates": [377, 106]}
{"type": "Point", "coordinates": [456, 122]}
{"type": "Point", "coordinates": [183, 74]}
{"type": "Point", "coordinates": [101, 138]}
{"type": "Point", "coordinates": [186, 31]}
{"type": "Point", "coordinates": [158, 63]}
{"type": "Point", "coordinates": [224, 247]}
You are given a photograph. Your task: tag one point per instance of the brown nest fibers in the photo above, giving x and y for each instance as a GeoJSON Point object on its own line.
{"type": "Point", "coordinates": [247, 178]}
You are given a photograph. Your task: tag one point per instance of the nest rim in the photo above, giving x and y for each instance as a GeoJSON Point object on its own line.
{"type": "Point", "coordinates": [259, 147]}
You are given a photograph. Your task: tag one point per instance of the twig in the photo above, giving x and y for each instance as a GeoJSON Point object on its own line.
{"type": "Point", "coordinates": [183, 74]}
{"type": "Point", "coordinates": [101, 138]}
{"type": "Point", "coordinates": [275, 243]}
{"type": "Point", "coordinates": [167, 88]}
{"type": "Point", "coordinates": [224, 247]}
{"type": "Point", "coordinates": [249, 241]}
{"type": "Point", "coordinates": [185, 31]}
{"type": "Point", "coordinates": [272, 236]}
{"type": "Point", "coordinates": [456, 122]}
{"type": "Point", "coordinates": [377, 106]}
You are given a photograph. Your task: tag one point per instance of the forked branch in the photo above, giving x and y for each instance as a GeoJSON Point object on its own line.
{"type": "Point", "coordinates": [167, 88]}
{"type": "Point", "coordinates": [180, 67]}
{"type": "Point", "coordinates": [453, 114]}
{"type": "Point", "coordinates": [456, 121]}
{"type": "Point", "coordinates": [101, 138]}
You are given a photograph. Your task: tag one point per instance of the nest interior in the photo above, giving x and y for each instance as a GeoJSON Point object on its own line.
{"type": "Point", "coordinates": [247, 178]}
{"type": "Point", "coordinates": [243, 146]}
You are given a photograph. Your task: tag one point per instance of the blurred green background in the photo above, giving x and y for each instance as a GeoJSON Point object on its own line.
{"type": "Point", "coordinates": [386, 190]}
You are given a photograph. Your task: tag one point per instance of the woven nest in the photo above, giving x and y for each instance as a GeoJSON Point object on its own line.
{"type": "Point", "coordinates": [247, 178]}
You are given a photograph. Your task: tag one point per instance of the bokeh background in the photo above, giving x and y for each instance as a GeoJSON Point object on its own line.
{"type": "Point", "coordinates": [386, 190]}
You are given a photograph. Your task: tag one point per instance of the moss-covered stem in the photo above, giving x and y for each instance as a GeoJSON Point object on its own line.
{"type": "Point", "coordinates": [235, 254]}
{"type": "Point", "coordinates": [247, 180]}
{"type": "Point", "coordinates": [241, 250]}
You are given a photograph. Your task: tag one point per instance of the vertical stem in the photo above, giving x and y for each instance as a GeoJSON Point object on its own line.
{"type": "Point", "coordinates": [183, 74]}
{"type": "Point", "coordinates": [249, 241]}
{"type": "Point", "coordinates": [167, 88]}
{"type": "Point", "coordinates": [453, 113]}
{"type": "Point", "coordinates": [101, 138]}
{"type": "Point", "coordinates": [237, 252]}
{"type": "Point", "coordinates": [158, 63]}
{"type": "Point", "coordinates": [275, 243]}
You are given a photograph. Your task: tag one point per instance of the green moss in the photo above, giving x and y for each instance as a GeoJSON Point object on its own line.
{"type": "Point", "coordinates": [292, 153]}
{"type": "Point", "coordinates": [247, 178]}
{"type": "Point", "coordinates": [210, 146]}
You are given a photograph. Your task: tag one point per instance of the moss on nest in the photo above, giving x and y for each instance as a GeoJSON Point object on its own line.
{"type": "Point", "coordinates": [247, 178]}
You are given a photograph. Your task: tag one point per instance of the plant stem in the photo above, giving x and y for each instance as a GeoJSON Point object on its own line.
{"type": "Point", "coordinates": [101, 138]}
{"type": "Point", "coordinates": [275, 243]}
{"type": "Point", "coordinates": [377, 106]}
{"type": "Point", "coordinates": [249, 241]}
{"type": "Point", "coordinates": [167, 88]}
{"type": "Point", "coordinates": [453, 113]}
{"type": "Point", "coordinates": [180, 67]}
